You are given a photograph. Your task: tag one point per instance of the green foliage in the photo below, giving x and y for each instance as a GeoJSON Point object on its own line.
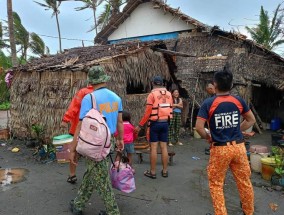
{"type": "Point", "coordinates": [268, 32]}
{"type": "Point", "coordinates": [37, 45]}
{"type": "Point", "coordinates": [39, 132]}
{"type": "Point", "coordinates": [21, 35]}
{"type": "Point", "coordinates": [4, 92]}
{"type": "Point", "coordinates": [51, 4]}
{"type": "Point", "coordinates": [279, 159]}
{"type": "Point", "coordinates": [111, 8]}
{"type": "Point", "coordinates": [5, 106]}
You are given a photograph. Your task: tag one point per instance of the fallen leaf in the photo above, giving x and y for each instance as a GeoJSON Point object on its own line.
{"type": "Point", "coordinates": [273, 207]}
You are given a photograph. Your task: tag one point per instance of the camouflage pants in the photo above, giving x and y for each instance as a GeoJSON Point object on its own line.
{"type": "Point", "coordinates": [97, 177]}
{"type": "Point", "coordinates": [233, 157]}
{"type": "Point", "coordinates": [175, 124]}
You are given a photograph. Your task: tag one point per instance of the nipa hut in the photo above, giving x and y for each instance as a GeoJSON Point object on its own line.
{"type": "Point", "coordinates": [42, 89]}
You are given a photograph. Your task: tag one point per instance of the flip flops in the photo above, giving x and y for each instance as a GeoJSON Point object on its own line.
{"type": "Point", "coordinates": [72, 179]}
{"type": "Point", "coordinates": [148, 174]}
{"type": "Point", "coordinates": [164, 174]}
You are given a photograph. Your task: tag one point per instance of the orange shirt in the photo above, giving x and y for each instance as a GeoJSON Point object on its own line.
{"type": "Point", "coordinates": [72, 114]}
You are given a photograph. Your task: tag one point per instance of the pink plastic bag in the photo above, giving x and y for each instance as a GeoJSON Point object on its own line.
{"type": "Point", "coordinates": [122, 177]}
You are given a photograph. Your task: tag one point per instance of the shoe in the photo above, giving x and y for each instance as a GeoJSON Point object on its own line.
{"type": "Point", "coordinates": [103, 213]}
{"type": "Point", "coordinates": [74, 210]}
{"type": "Point", "coordinates": [180, 143]}
{"type": "Point", "coordinates": [170, 144]}
{"type": "Point", "coordinates": [207, 151]}
{"type": "Point", "coordinates": [72, 179]}
{"type": "Point", "coordinates": [164, 174]}
{"type": "Point", "coordinates": [148, 174]}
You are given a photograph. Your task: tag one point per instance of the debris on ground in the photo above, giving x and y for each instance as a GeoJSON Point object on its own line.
{"type": "Point", "coordinates": [16, 149]}
{"type": "Point", "coordinates": [273, 206]}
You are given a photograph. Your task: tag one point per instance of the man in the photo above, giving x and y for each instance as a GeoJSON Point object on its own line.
{"type": "Point", "coordinates": [223, 114]}
{"type": "Point", "coordinates": [72, 116]}
{"type": "Point", "coordinates": [158, 112]}
{"type": "Point", "coordinates": [97, 173]}
{"type": "Point", "coordinates": [210, 89]}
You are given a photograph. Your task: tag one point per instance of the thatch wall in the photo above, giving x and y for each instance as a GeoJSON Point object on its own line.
{"type": "Point", "coordinates": [43, 97]}
{"type": "Point", "coordinates": [247, 62]}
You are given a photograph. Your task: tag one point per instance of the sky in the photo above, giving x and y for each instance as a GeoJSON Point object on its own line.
{"type": "Point", "coordinates": [227, 14]}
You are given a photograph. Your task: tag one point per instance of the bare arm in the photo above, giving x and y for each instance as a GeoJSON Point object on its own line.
{"type": "Point", "coordinates": [73, 153]}
{"type": "Point", "coordinates": [199, 126]}
{"type": "Point", "coordinates": [120, 130]}
{"type": "Point", "coordinates": [249, 121]}
{"type": "Point", "coordinates": [179, 105]}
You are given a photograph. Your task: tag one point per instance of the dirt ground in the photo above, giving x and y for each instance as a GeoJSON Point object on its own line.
{"type": "Point", "coordinates": [45, 190]}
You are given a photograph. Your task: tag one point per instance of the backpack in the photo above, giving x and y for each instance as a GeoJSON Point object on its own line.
{"type": "Point", "coordinates": [94, 136]}
{"type": "Point", "coordinates": [162, 107]}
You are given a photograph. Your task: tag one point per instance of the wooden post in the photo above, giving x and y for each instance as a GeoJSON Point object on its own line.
{"type": "Point", "coordinates": [193, 104]}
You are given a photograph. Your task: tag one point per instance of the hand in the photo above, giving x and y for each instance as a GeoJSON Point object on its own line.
{"type": "Point", "coordinates": [209, 138]}
{"type": "Point", "coordinates": [120, 145]}
{"type": "Point", "coordinates": [137, 129]}
{"type": "Point", "coordinates": [74, 157]}
{"type": "Point", "coordinates": [63, 125]}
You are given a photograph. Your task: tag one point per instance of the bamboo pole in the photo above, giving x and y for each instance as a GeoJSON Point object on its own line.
{"type": "Point", "coordinates": [193, 104]}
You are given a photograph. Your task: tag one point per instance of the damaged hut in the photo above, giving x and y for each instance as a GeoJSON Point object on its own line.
{"type": "Point", "coordinates": [42, 89]}
{"type": "Point", "coordinates": [195, 51]}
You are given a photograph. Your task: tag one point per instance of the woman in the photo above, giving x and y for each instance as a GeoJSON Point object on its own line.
{"type": "Point", "coordinates": [176, 120]}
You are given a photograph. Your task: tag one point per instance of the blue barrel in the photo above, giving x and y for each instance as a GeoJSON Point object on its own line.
{"type": "Point", "coordinates": [275, 124]}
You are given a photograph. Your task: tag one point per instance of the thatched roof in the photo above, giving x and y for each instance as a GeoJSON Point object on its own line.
{"type": "Point", "coordinates": [242, 38]}
{"type": "Point", "coordinates": [83, 57]}
{"type": "Point", "coordinates": [119, 18]}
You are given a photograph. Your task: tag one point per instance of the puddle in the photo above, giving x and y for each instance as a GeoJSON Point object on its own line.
{"type": "Point", "coordinates": [10, 176]}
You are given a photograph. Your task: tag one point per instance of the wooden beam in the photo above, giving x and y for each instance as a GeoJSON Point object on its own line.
{"type": "Point", "coordinates": [182, 54]}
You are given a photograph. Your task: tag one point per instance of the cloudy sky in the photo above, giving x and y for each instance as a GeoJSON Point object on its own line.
{"type": "Point", "coordinates": [227, 14]}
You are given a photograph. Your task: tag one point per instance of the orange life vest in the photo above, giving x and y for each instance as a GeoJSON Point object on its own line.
{"type": "Point", "coordinates": [162, 106]}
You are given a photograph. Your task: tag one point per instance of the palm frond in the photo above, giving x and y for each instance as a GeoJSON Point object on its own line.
{"type": "Point", "coordinates": [37, 45]}
{"type": "Point", "coordinates": [277, 43]}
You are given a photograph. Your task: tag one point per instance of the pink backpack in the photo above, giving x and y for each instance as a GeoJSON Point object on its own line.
{"type": "Point", "coordinates": [94, 136]}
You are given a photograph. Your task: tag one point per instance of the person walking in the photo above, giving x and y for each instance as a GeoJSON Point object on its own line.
{"type": "Point", "coordinates": [97, 174]}
{"type": "Point", "coordinates": [223, 113]}
{"type": "Point", "coordinates": [175, 122]}
{"type": "Point", "coordinates": [158, 112]}
{"type": "Point", "coordinates": [72, 116]}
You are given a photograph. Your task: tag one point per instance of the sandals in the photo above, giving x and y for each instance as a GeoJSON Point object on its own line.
{"type": "Point", "coordinates": [72, 179]}
{"type": "Point", "coordinates": [148, 174]}
{"type": "Point", "coordinates": [164, 174]}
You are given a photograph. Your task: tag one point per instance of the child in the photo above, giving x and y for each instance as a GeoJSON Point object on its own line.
{"type": "Point", "coordinates": [129, 136]}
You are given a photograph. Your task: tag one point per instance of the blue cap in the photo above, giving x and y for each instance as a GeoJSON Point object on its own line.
{"type": "Point", "coordinates": [158, 80]}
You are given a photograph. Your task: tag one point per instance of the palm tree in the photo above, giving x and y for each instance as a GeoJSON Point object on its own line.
{"type": "Point", "coordinates": [2, 41]}
{"type": "Point", "coordinates": [111, 8]}
{"type": "Point", "coordinates": [54, 6]}
{"type": "Point", "coordinates": [268, 32]}
{"type": "Point", "coordinates": [93, 4]}
{"type": "Point", "coordinates": [11, 33]}
{"type": "Point", "coordinates": [21, 36]}
{"type": "Point", "coordinates": [37, 45]}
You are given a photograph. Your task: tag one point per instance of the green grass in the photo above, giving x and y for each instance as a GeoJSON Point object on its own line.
{"type": "Point", "coordinates": [5, 106]}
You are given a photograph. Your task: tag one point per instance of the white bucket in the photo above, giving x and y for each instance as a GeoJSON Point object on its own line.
{"type": "Point", "coordinates": [195, 134]}
{"type": "Point", "coordinates": [255, 161]}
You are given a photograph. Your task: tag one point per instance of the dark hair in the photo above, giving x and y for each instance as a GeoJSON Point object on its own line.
{"type": "Point", "coordinates": [173, 90]}
{"type": "Point", "coordinates": [126, 116]}
{"type": "Point", "coordinates": [224, 80]}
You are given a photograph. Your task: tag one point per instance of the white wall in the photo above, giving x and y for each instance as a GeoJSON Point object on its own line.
{"type": "Point", "coordinates": [145, 20]}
